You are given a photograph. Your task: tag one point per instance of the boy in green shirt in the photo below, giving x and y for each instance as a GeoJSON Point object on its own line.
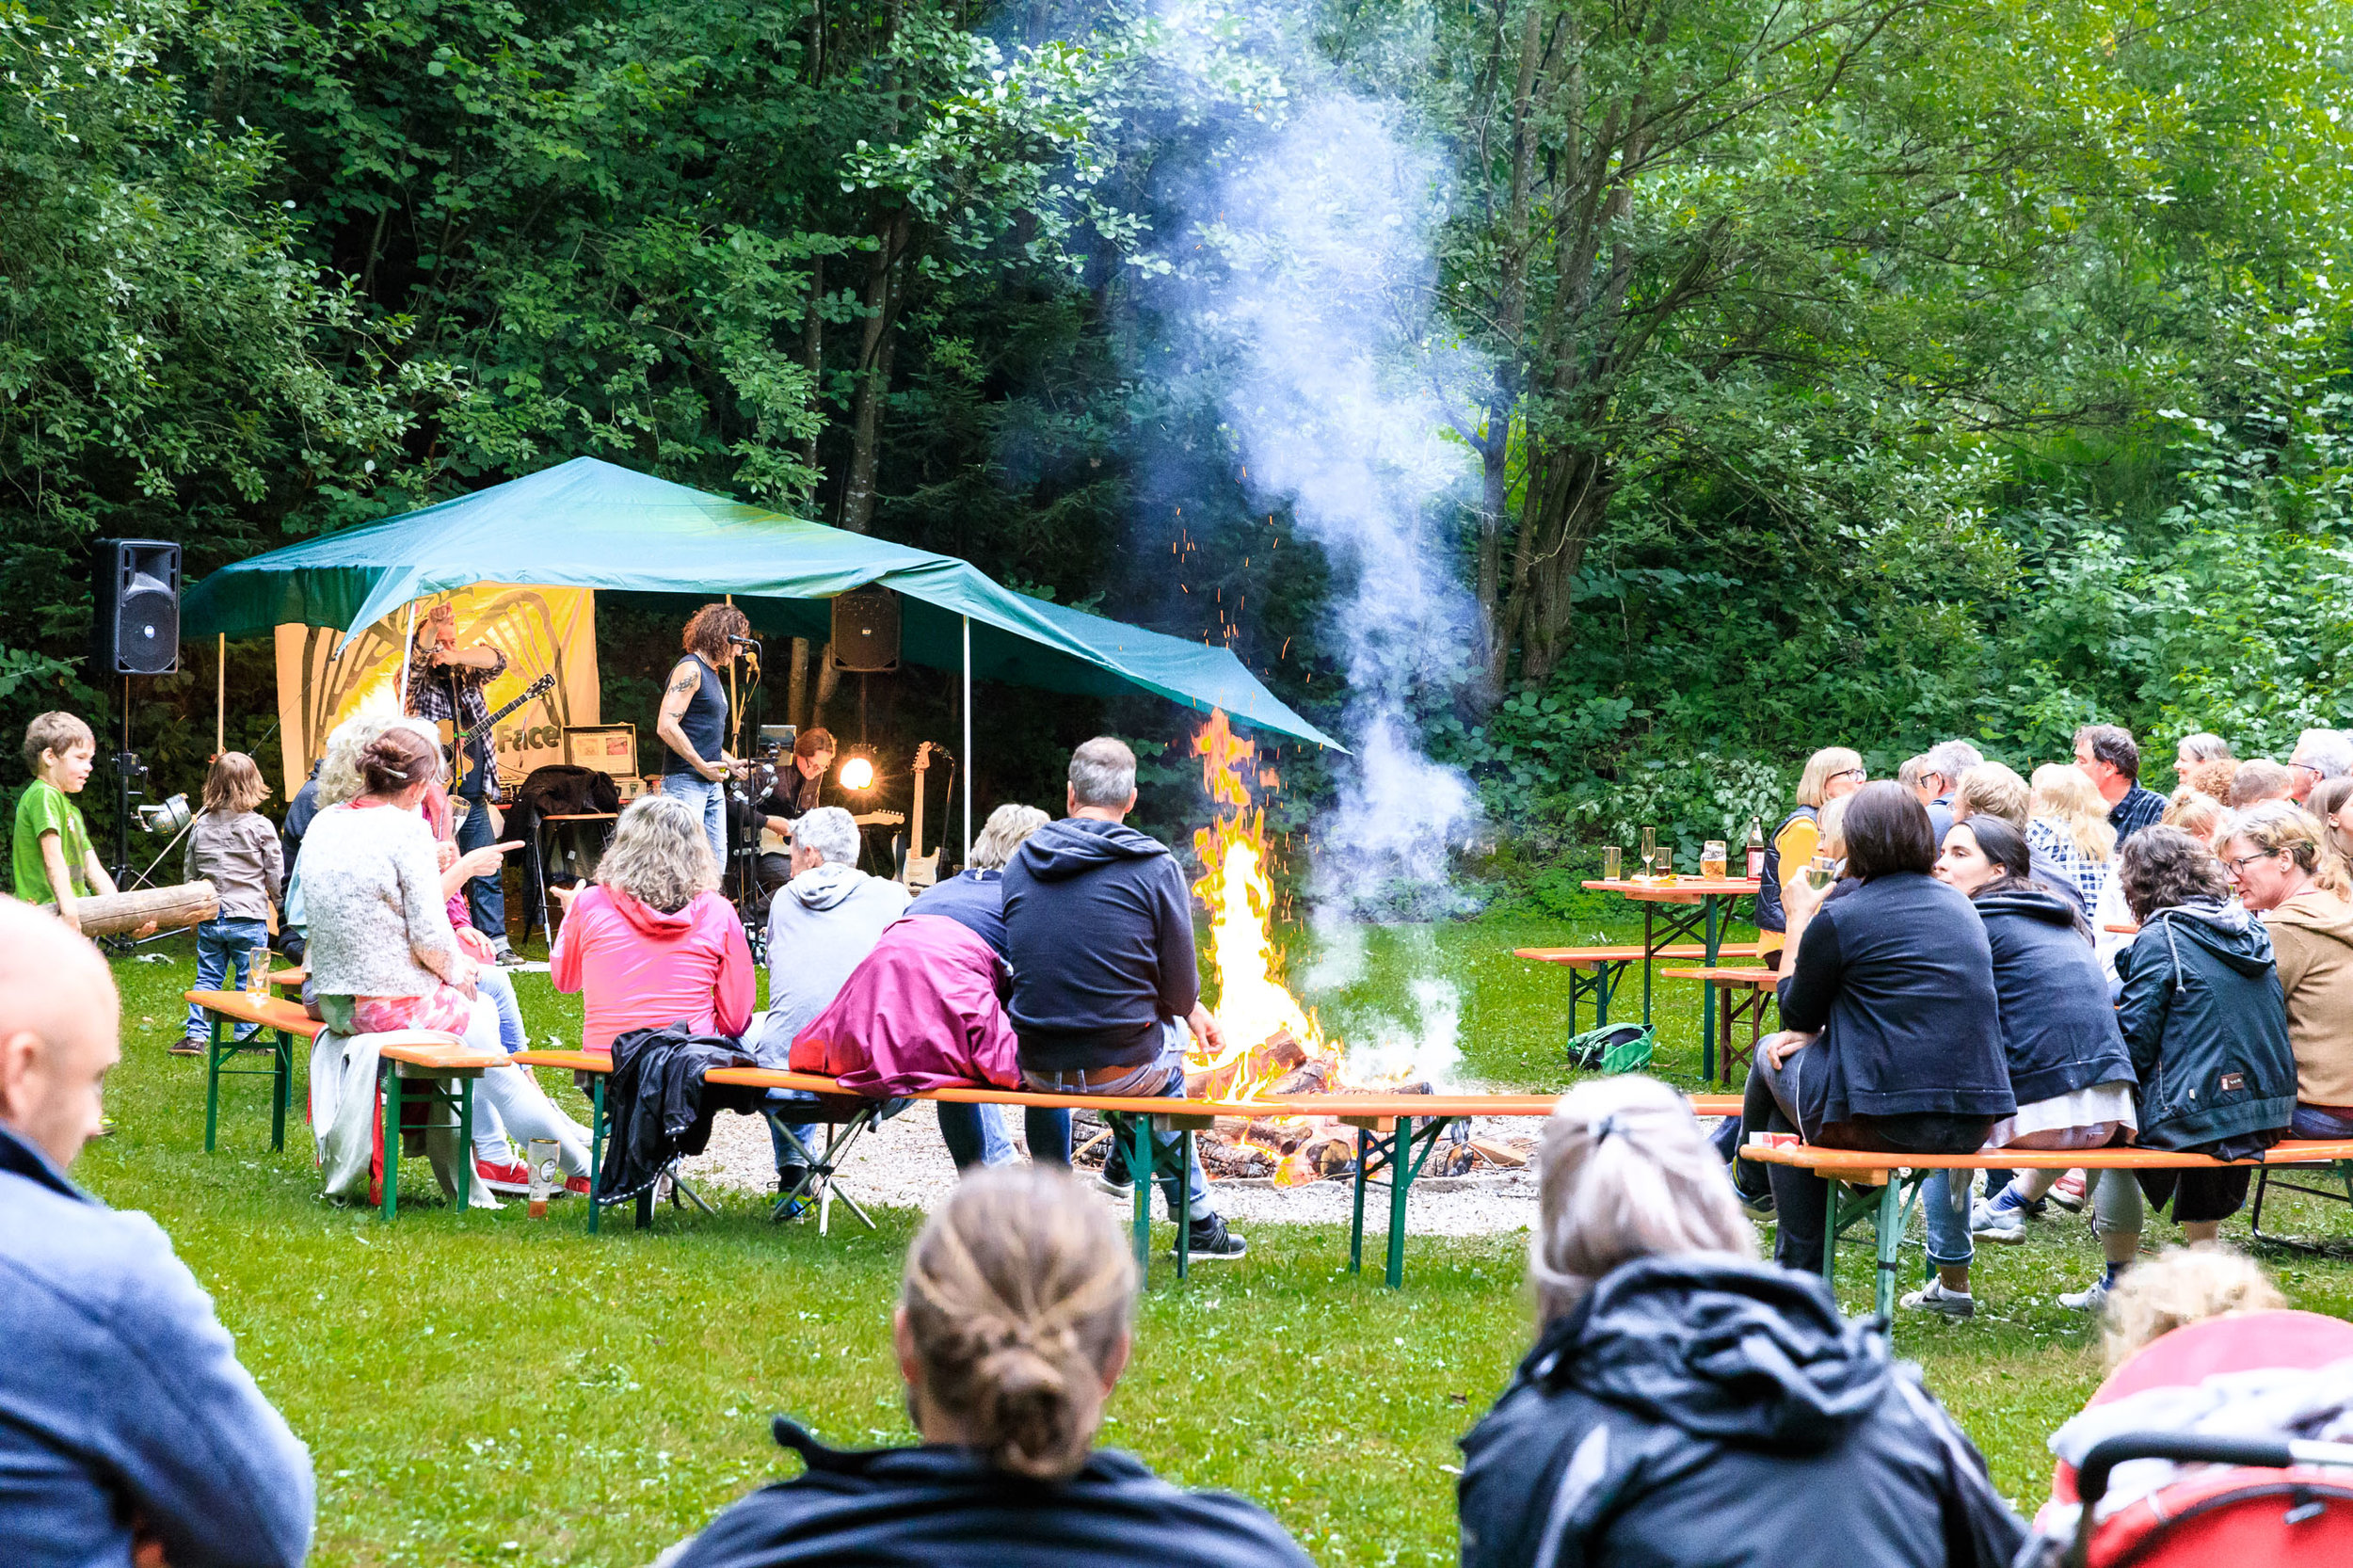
{"type": "Point", "coordinates": [54, 862]}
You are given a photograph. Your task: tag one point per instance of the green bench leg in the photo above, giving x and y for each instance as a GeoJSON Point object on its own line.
{"type": "Point", "coordinates": [1184, 1210]}
{"type": "Point", "coordinates": [281, 1089]}
{"type": "Point", "coordinates": [391, 1205]}
{"type": "Point", "coordinates": [595, 1150]}
{"type": "Point", "coordinates": [1356, 1230]}
{"type": "Point", "coordinates": [211, 1082]}
{"type": "Point", "coordinates": [1891, 1238]}
{"type": "Point", "coordinates": [465, 1141]}
{"type": "Point", "coordinates": [1140, 1173]}
{"type": "Point", "coordinates": [1400, 1183]}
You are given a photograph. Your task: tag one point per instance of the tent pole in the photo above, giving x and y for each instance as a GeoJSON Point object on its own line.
{"type": "Point", "coordinates": [967, 740]}
{"type": "Point", "coordinates": [220, 699]}
{"type": "Point", "coordinates": [408, 652]}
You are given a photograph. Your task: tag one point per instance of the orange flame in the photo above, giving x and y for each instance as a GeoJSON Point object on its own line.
{"type": "Point", "coordinates": [1253, 1003]}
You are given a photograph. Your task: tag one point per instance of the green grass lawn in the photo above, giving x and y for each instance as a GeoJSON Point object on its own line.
{"type": "Point", "coordinates": [489, 1389]}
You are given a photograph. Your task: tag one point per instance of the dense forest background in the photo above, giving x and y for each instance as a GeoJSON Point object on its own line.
{"type": "Point", "coordinates": [1843, 371]}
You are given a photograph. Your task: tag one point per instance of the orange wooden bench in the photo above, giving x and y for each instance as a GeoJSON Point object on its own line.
{"type": "Point", "coordinates": [1897, 1179]}
{"type": "Point", "coordinates": [272, 1015]}
{"type": "Point", "coordinates": [1745, 995]}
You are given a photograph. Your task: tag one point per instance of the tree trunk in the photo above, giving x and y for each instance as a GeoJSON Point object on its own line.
{"type": "Point", "coordinates": [873, 380]}
{"type": "Point", "coordinates": [1568, 494]}
{"type": "Point", "coordinates": [827, 678]}
{"type": "Point", "coordinates": [813, 359]}
{"type": "Point", "coordinates": [796, 686]}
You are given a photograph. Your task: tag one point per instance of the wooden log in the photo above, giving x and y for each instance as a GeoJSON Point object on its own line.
{"type": "Point", "coordinates": [1499, 1154]}
{"type": "Point", "coordinates": [1271, 1058]}
{"type": "Point", "coordinates": [1308, 1077]}
{"type": "Point", "coordinates": [109, 914]}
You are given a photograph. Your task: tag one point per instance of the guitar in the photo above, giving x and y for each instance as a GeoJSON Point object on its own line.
{"type": "Point", "coordinates": [454, 739]}
{"type": "Point", "coordinates": [922, 870]}
{"type": "Point", "coordinates": [774, 843]}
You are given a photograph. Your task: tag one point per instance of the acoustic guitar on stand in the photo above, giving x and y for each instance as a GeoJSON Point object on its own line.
{"type": "Point", "coordinates": [922, 870]}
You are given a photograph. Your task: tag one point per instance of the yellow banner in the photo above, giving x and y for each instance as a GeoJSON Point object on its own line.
{"type": "Point", "coordinates": [323, 678]}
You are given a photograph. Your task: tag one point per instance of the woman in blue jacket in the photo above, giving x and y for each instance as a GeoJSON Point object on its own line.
{"type": "Point", "coordinates": [1012, 1331]}
{"type": "Point", "coordinates": [2068, 1070]}
{"type": "Point", "coordinates": [2205, 1017]}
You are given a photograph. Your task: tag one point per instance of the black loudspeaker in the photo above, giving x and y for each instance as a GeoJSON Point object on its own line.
{"type": "Point", "coordinates": [135, 609]}
{"type": "Point", "coordinates": [866, 630]}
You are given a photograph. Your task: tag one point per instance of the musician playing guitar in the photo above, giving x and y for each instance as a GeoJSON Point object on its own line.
{"type": "Point", "coordinates": [445, 685]}
{"type": "Point", "coordinates": [796, 792]}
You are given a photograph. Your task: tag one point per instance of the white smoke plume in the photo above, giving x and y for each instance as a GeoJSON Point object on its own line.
{"type": "Point", "coordinates": [1301, 273]}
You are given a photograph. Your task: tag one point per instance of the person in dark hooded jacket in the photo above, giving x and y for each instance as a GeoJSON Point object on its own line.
{"type": "Point", "coordinates": [2068, 1070]}
{"type": "Point", "coordinates": [2205, 1017]}
{"type": "Point", "coordinates": [1685, 1403]}
{"type": "Point", "coordinates": [1098, 932]}
{"type": "Point", "coordinates": [1012, 1331]}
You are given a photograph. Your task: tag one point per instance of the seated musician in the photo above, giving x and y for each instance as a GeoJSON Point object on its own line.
{"type": "Point", "coordinates": [797, 791]}
{"type": "Point", "coordinates": [650, 942]}
{"type": "Point", "coordinates": [1098, 929]}
{"type": "Point", "coordinates": [1897, 976]}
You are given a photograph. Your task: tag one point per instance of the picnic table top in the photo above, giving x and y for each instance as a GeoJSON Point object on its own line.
{"type": "Point", "coordinates": [1683, 890]}
{"type": "Point", "coordinates": [2122, 928]}
{"type": "Point", "coordinates": [269, 1011]}
{"type": "Point", "coordinates": [2294, 1151]}
{"type": "Point", "coordinates": [1630, 952]}
{"type": "Point", "coordinates": [1760, 978]}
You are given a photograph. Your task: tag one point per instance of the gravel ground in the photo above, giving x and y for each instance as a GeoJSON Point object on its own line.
{"type": "Point", "coordinates": [903, 1164]}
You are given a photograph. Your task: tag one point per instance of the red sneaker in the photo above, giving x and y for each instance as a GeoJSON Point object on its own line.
{"type": "Point", "coordinates": [2067, 1192]}
{"type": "Point", "coordinates": [577, 1186]}
{"type": "Point", "coordinates": [513, 1177]}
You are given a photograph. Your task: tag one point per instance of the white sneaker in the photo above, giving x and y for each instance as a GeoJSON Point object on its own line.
{"type": "Point", "coordinates": [1122, 1191]}
{"type": "Point", "coordinates": [1934, 1297]}
{"type": "Point", "coordinates": [1998, 1222]}
{"type": "Point", "coordinates": [2094, 1300]}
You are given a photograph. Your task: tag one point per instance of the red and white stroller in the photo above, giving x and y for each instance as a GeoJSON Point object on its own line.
{"type": "Point", "coordinates": [2216, 1444]}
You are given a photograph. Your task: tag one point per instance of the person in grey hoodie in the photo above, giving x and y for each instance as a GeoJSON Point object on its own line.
{"type": "Point", "coordinates": [821, 924]}
{"type": "Point", "coordinates": [127, 1423]}
{"type": "Point", "coordinates": [1098, 934]}
{"type": "Point", "coordinates": [2203, 1015]}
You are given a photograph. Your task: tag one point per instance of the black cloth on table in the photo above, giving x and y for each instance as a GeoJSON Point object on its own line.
{"type": "Point", "coordinates": [659, 1105]}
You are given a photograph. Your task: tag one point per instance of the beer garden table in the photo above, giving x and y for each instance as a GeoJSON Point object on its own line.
{"type": "Point", "coordinates": [1710, 901]}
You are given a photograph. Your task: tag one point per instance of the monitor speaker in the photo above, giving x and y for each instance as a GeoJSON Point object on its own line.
{"type": "Point", "coordinates": [866, 630]}
{"type": "Point", "coordinates": [135, 609]}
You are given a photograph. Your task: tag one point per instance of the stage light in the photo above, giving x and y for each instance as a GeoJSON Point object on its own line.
{"type": "Point", "coordinates": [857, 774]}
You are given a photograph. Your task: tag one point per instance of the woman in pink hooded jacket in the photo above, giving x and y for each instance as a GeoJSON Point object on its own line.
{"type": "Point", "coordinates": [651, 943]}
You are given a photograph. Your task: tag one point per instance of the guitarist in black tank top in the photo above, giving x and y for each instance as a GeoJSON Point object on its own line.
{"type": "Point", "coordinates": [693, 724]}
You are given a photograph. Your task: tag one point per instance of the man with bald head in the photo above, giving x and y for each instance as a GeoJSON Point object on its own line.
{"type": "Point", "coordinates": [127, 1423]}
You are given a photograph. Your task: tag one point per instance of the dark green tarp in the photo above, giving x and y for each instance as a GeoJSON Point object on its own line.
{"type": "Point", "coordinates": [590, 524]}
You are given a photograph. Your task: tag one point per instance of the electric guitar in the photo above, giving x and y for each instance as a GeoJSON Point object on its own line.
{"type": "Point", "coordinates": [453, 740]}
{"type": "Point", "coordinates": [774, 843]}
{"type": "Point", "coordinates": [922, 870]}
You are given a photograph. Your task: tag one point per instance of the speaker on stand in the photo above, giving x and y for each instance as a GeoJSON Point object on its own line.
{"type": "Point", "coordinates": [866, 638]}
{"type": "Point", "coordinates": [134, 629]}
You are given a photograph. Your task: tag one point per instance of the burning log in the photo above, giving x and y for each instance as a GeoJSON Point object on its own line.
{"type": "Point", "coordinates": [1503, 1155]}
{"type": "Point", "coordinates": [1308, 1077]}
{"type": "Point", "coordinates": [1271, 1057]}
{"type": "Point", "coordinates": [1282, 1137]}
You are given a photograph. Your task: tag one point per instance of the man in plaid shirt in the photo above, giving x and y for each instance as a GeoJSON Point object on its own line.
{"type": "Point", "coordinates": [445, 685]}
{"type": "Point", "coordinates": [2108, 758]}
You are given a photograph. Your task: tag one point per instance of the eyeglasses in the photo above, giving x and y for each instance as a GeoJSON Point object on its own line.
{"type": "Point", "coordinates": [2238, 866]}
{"type": "Point", "coordinates": [2307, 767]}
{"type": "Point", "coordinates": [1859, 774]}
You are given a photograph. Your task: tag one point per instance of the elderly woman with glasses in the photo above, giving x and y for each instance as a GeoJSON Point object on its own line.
{"type": "Point", "coordinates": [2277, 864]}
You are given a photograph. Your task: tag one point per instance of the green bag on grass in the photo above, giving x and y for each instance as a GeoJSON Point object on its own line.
{"type": "Point", "coordinates": [1612, 1049]}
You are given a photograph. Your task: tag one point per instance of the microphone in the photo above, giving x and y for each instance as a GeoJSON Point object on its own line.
{"type": "Point", "coordinates": [742, 642]}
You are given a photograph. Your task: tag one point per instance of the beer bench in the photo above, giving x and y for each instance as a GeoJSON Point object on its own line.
{"type": "Point", "coordinates": [1594, 972]}
{"type": "Point", "coordinates": [1759, 986]}
{"type": "Point", "coordinates": [1897, 1178]}
{"type": "Point", "coordinates": [274, 1014]}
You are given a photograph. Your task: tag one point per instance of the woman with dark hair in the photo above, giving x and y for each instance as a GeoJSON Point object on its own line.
{"type": "Point", "coordinates": [2068, 1066]}
{"type": "Point", "coordinates": [2205, 1017]}
{"type": "Point", "coordinates": [1895, 1035]}
{"type": "Point", "coordinates": [1686, 1403]}
{"type": "Point", "coordinates": [1012, 1331]}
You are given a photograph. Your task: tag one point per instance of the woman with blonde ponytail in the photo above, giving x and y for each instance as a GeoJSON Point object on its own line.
{"type": "Point", "coordinates": [1013, 1327]}
{"type": "Point", "coordinates": [1684, 1401]}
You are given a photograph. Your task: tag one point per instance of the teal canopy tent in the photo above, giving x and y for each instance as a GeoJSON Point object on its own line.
{"type": "Point", "coordinates": [591, 524]}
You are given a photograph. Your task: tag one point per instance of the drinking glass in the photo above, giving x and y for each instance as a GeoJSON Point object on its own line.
{"type": "Point", "coordinates": [257, 971]}
{"type": "Point", "coordinates": [1612, 863]}
{"type": "Point", "coordinates": [1649, 846]}
{"type": "Point", "coordinates": [1820, 873]}
{"type": "Point", "coordinates": [543, 1157]}
{"type": "Point", "coordinates": [1712, 859]}
{"type": "Point", "coordinates": [1663, 868]}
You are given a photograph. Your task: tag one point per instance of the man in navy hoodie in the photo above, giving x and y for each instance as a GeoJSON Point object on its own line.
{"type": "Point", "coordinates": [126, 1421]}
{"type": "Point", "coordinates": [1098, 932]}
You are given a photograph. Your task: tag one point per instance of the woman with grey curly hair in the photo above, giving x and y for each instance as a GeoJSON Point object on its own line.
{"type": "Point", "coordinates": [1682, 1394]}
{"type": "Point", "coordinates": [651, 943]}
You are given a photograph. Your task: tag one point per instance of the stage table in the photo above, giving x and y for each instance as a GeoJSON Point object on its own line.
{"type": "Point", "coordinates": [1674, 911]}
{"type": "Point", "coordinates": [553, 821]}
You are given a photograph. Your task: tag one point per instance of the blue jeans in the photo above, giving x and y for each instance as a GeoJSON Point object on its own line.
{"type": "Point", "coordinates": [2321, 1121]}
{"type": "Point", "coordinates": [1944, 1205]}
{"type": "Point", "coordinates": [500, 988]}
{"type": "Point", "coordinates": [486, 896]}
{"type": "Point", "coordinates": [977, 1134]}
{"type": "Point", "coordinates": [708, 797]}
{"type": "Point", "coordinates": [225, 950]}
{"type": "Point", "coordinates": [1165, 1076]}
